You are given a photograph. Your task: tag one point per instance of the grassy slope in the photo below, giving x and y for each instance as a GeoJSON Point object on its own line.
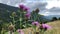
{"type": "Point", "coordinates": [55, 27]}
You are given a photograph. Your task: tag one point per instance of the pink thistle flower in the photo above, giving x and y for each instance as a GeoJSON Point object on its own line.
{"type": "Point", "coordinates": [21, 6]}
{"type": "Point", "coordinates": [46, 26]}
{"type": "Point", "coordinates": [35, 23]}
{"type": "Point", "coordinates": [26, 8]}
{"type": "Point", "coordinates": [27, 15]}
{"type": "Point", "coordinates": [20, 31]}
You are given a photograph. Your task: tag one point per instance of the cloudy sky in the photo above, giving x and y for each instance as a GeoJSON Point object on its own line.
{"type": "Point", "coordinates": [47, 7]}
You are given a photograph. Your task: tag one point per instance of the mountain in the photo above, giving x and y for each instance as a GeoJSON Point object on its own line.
{"type": "Point", "coordinates": [50, 16]}
{"type": "Point", "coordinates": [6, 10]}
{"type": "Point", "coordinates": [8, 7]}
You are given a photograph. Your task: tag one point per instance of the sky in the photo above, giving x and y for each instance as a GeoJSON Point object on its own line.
{"type": "Point", "coordinates": [46, 7]}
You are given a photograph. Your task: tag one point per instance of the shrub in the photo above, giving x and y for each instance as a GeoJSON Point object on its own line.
{"type": "Point", "coordinates": [59, 18]}
{"type": "Point", "coordinates": [54, 18]}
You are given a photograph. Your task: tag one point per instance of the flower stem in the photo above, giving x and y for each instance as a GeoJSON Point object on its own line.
{"type": "Point", "coordinates": [14, 23]}
{"type": "Point", "coordinates": [20, 22]}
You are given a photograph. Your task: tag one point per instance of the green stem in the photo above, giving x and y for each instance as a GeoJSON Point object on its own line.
{"type": "Point", "coordinates": [25, 24]}
{"type": "Point", "coordinates": [0, 32]}
{"type": "Point", "coordinates": [41, 31]}
{"type": "Point", "coordinates": [20, 22]}
{"type": "Point", "coordinates": [34, 28]}
{"type": "Point", "coordinates": [35, 17]}
{"type": "Point", "coordinates": [10, 32]}
{"type": "Point", "coordinates": [13, 21]}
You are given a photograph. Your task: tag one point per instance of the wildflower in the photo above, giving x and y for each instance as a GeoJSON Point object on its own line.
{"type": "Point", "coordinates": [45, 27]}
{"type": "Point", "coordinates": [21, 6]}
{"type": "Point", "coordinates": [35, 23]}
{"type": "Point", "coordinates": [20, 31]}
{"type": "Point", "coordinates": [13, 14]}
{"type": "Point", "coordinates": [26, 8]}
{"type": "Point", "coordinates": [27, 15]}
{"type": "Point", "coordinates": [11, 27]}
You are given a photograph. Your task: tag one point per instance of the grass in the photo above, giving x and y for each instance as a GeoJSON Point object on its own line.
{"type": "Point", "coordinates": [54, 30]}
{"type": "Point", "coordinates": [55, 27]}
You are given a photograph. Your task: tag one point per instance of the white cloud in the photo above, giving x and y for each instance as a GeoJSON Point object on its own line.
{"type": "Point", "coordinates": [46, 9]}
{"type": "Point", "coordinates": [45, 12]}
{"type": "Point", "coordinates": [0, 1]}
{"type": "Point", "coordinates": [52, 4]}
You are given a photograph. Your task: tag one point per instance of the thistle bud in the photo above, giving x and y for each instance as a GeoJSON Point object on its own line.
{"type": "Point", "coordinates": [11, 27]}
{"type": "Point", "coordinates": [14, 14]}
{"type": "Point", "coordinates": [37, 10]}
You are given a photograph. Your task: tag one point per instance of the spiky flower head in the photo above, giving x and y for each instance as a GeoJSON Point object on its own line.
{"type": "Point", "coordinates": [20, 31]}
